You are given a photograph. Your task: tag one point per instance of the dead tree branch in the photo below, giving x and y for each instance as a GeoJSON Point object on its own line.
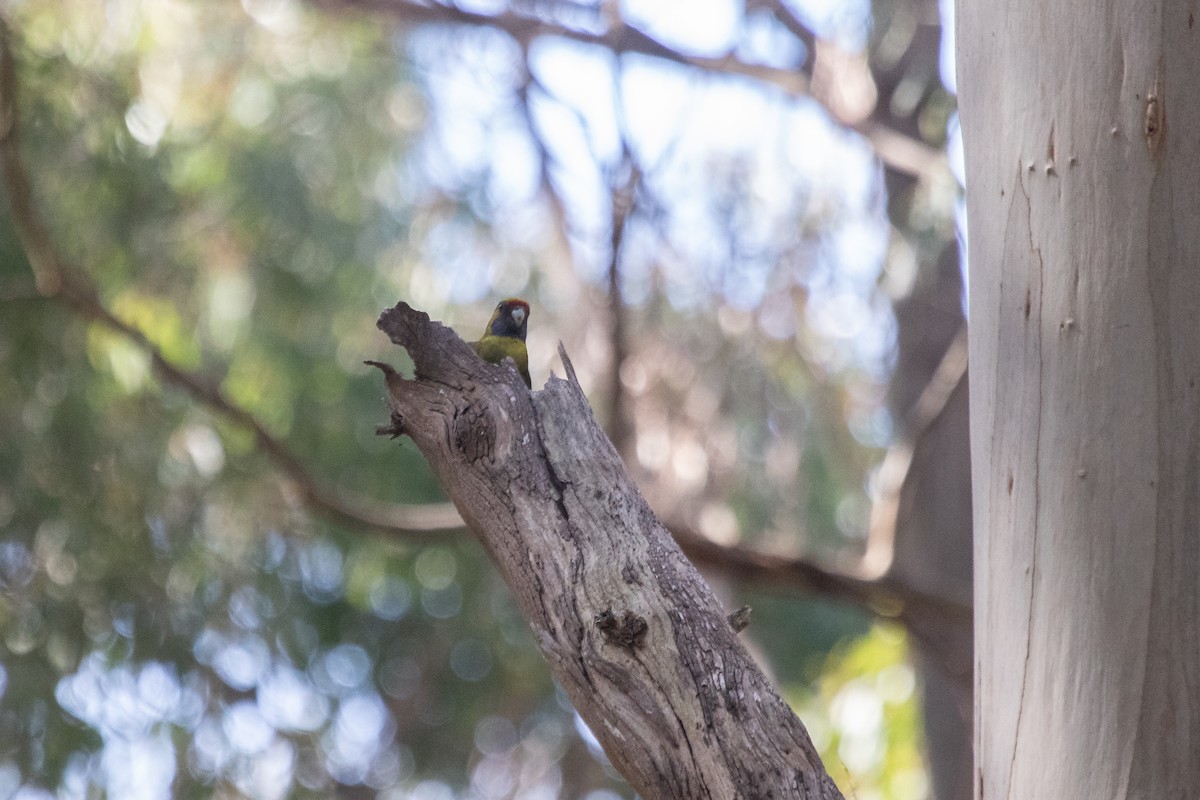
{"type": "Point", "coordinates": [630, 629]}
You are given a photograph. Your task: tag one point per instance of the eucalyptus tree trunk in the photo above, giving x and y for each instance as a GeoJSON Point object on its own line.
{"type": "Point", "coordinates": [629, 628]}
{"type": "Point", "coordinates": [1082, 129]}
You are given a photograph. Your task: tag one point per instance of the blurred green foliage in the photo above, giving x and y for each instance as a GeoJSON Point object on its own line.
{"type": "Point", "coordinates": [861, 715]}
{"type": "Point", "coordinates": [245, 184]}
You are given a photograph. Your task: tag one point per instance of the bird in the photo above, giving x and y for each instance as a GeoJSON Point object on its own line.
{"type": "Point", "coordinates": [504, 336]}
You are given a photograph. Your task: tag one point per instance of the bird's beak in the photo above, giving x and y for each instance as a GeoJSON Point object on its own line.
{"type": "Point", "coordinates": [518, 315]}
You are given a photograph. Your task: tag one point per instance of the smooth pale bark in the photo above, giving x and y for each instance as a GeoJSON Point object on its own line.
{"type": "Point", "coordinates": [629, 628]}
{"type": "Point", "coordinates": [1082, 130]}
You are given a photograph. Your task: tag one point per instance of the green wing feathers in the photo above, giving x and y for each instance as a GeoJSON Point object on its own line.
{"type": "Point", "coordinates": [494, 349]}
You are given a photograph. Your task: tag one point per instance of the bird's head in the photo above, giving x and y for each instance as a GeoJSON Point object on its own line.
{"type": "Point", "coordinates": [511, 318]}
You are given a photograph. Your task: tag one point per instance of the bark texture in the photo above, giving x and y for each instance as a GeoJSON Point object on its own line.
{"type": "Point", "coordinates": [1080, 123]}
{"type": "Point", "coordinates": [630, 629]}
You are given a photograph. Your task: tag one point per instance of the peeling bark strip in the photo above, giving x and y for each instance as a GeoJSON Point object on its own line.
{"type": "Point", "coordinates": [630, 629]}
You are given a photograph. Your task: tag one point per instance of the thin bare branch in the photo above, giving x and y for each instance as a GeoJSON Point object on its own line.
{"type": "Point", "coordinates": [558, 208]}
{"type": "Point", "coordinates": [896, 150]}
{"type": "Point", "coordinates": [623, 197]}
{"type": "Point", "coordinates": [883, 597]}
{"type": "Point", "coordinates": [620, 39]}
{"type": "Point", "coordinates": [47, 272]}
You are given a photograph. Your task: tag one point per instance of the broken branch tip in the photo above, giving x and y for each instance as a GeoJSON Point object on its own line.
{"type": "Point", "coordinates": [567, 365]}
{"type": "Point", "coordinates": [386, 369]}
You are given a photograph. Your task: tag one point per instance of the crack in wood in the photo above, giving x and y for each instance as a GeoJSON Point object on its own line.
{"type": "Point", "coordinates": [1033, 582]}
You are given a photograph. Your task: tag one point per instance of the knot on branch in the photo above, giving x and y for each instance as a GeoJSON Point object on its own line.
{"type": "Point", "coordinates": [740, 620]}
{"type": "Point", "coordinates": [628, 630]}
{"type": "Point", "coordinates": [473, 433]}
